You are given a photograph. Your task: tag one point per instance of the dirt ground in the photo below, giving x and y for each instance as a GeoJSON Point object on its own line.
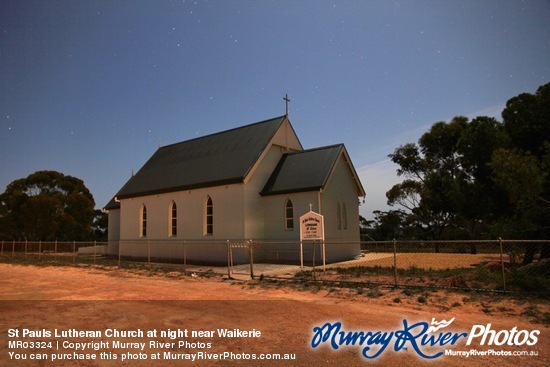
{"type": "Point", "coordinates": [99, 298]}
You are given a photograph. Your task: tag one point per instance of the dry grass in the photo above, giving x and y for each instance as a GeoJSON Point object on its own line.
{"type": "Point", "coordinates": [425, 261]}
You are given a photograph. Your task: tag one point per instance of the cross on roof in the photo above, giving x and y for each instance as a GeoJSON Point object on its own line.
{"type": "Point", "coordinates": [286, 100]}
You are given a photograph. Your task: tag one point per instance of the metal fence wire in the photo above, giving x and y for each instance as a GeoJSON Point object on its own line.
{"type": "Point", "coordinates": [490, 265]}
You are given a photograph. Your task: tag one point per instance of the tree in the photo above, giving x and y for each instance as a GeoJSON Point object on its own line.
{"type": "Point", "coordinates": [527, 120]}
{"type": "Point", "coordinates": [518, 173]}
{"type": "Point", "coordinates": [481, 201]}
{"type": "Point", "coordinates": [47, 205]}
{"type": "Point", "coordinates": [385, 226]}
{"type": "Point", "coordinates": [100, 225]}
{"type": "Point", "coordinates": [477, 142]}
{"type": "Point", "coordinates": [523, 170]}
{"type": "Point", "coordinates": [434, 176]}
{"type": "Point", "coordinates": [480, 178]}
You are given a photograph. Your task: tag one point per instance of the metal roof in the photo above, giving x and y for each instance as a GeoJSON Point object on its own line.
{"type": "Point", "coordinates": [218, 159]}
{"type": "Point", "coordinates": [227, 157]}
{"type": "Point", "coordinates": [307, 170]}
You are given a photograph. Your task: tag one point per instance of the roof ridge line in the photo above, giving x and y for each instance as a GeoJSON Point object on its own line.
{"type": "Point", "coordinates": [317, 148]}
{"type": "Point", "coordinates": [223, 132]}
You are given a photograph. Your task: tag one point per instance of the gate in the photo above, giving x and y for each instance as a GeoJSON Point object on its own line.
{"type": "Point", "coordinates": [240, 258]}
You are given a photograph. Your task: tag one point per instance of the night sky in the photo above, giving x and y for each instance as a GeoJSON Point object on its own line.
{"type": "Point", "coordinates": [90, 88]}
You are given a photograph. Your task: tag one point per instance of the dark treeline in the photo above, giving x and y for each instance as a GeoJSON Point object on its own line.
{"type": "Point", "coordinates": [47, 206]}
{"type": "Point", "coordinates": [474, 179]}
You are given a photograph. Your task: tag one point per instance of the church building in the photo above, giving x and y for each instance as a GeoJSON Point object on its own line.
{"type": "Point", "coordinates": [248, 183]}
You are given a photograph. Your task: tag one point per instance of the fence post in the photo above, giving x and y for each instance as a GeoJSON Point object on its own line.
{"type": "Point", "coordinates": [502, 264]}
{"type": "Point", "coordinates": [251, 254]}
{"type": "Point", "coordinates": [184, 257]}
{"type": "Point", "coordinates": [95, 251]}
{"type": "Point", "coordinates": [301, 255]}
{"type": "Point", "coordinates": [2, 252]}
{"type": "Point", "coordinates": [13, 249]}
{"type": "Point", "coordinates": [395, 261]}
{"type": "Point", "coordinates": [26, 244]}
{"type": "Point", "coordinates": [55, 251]}
{"type": "Point", "coordinates": [313, 263]}
{"type": "Point", "coordinates": [324, 256]}
{"type": "Point", "coordinates": [74, 250]}
{"type": "Point", "coordinates": [119, 252]}
{"type": "Point", "coordinates": [40, 250]}
{"type": "Point", "coordinates": [228, 260]}
{"type": "Point", "coordinates": [149, 254]}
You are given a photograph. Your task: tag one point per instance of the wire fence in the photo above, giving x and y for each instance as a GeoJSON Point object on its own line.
{"type": "Point", "coordinates": [498, 265]}
{"type": "Point", "coordinates": [56, 251]}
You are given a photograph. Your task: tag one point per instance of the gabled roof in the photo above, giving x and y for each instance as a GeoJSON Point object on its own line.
{"type": "Point", "coordinates": [218, 159]}
{"type": "Point", "coordinates": [307, 170]}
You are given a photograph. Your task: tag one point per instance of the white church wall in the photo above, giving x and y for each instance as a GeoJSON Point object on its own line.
{"type": "Point", "coordinates": [286, 137]}
{"type": "Point", "coordinates": [274, 214]}
{"type": "Point", "coordinates": [228, 222]}
{"type": "Point", "coordinates": [240, 213]}
{"type": "Point", "coordinates": [343, 233]}
{"type": "Point", "coordinates": [284, 141]}
{"type": "Point", "coordinates": [191, 205]}
{"type": "Point", "coordinates": [254, 227]}
{"type": "Point", "coordinates": [113, 235]}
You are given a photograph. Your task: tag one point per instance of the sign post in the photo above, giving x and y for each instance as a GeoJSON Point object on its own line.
{"type": "Point", "coordinates": [312, 228]}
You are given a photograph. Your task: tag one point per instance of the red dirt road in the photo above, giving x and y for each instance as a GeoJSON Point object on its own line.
{"type": "Point", "coordinates": [98, 299]}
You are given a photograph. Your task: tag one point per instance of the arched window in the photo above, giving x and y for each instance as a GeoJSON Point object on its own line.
{"type": "Point", "coordinates": [338, 216]}
{"type": "Point", "coordinates": [289, 215]}
{"type": "Point", "coordinates": [209, 217]}
{"type": "Point", "coordinates": [143, 221]}
{"type": "Point", "coordinates": [173, 219]}
{"type": "Point", "coordinates": [345, 216]}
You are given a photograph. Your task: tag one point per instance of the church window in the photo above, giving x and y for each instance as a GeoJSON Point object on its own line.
{"type": "Point", "coordinates": [344, 216]}
{"type": "Point", "coordinates": [209, 220]}
{"type": "Point", "coordinates": [173, 219]}
{"type": "Point", "coordinates": [338, 216]}
{"type": "Point", "coordinates": [289, 215]}
{"type": "Point", "coordinates": [143, 221]}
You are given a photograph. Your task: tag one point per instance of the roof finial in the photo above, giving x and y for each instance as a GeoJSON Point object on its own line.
{"type": "Point", "coordinates": [310, 207]}
{"type": "Point", "coordinates": [286, 100]}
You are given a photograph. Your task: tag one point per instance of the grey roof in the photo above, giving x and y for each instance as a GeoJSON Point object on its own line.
{"type": "Point", "coordinates": [307, 170]}
{"type": "Point", "coordinates": [218, 159]}
{"type": "Point", "coordinates": [112, 204]}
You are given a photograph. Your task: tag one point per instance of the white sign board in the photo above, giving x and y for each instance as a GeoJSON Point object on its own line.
{"type": "Point", "coordinates": [312, 226]}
